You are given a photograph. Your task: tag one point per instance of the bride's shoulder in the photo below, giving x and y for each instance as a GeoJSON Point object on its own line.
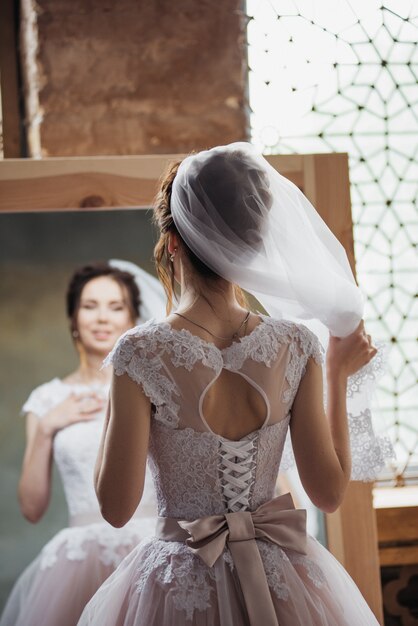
{"type": "Point", "coordinates": [296, 333]}
{"type": "Point", "coordinates": [285, 327]}
{"type": "Point", "coordinates": [42, 396]}
{"type": "Point", "coordinates": [139, 341]}
{"type": "Point", "coordinates": [47, 388]}
{"type": "Point", "coordinates": [140, 330]}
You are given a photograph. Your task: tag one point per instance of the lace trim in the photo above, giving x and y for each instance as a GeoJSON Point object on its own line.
{"type": "Point", "coordinates": [261, 346]}
{"type": "Point", "coordinates": [172, 563]}
{"type": "Point", "coordinates": [274, 559]}
{"type": "Point", "coordinates": [113, 544]}
{"type": "Point", "coordinates": [139, 354]}
{"type": "Point", "coordinates": [300, 339]}
{"type": "Point", "coordinates": [370, 373]}
{"type": "Point", "coordinates": [184, 464]}
{"type": "Point", "coordinates": [369, 452]}
{"type": "Point", "coordinates": [293, 374]}
{"type": "Point", "coordinates": [288, 459]}
{"type": "Point", "coordinates": [186, 469]}
{"type": "Point", "coordinates": [135, 355]}
{"type": "Point", "coordinates": [191, 582]}
{"type": "Point", "coordinates": [75, 450]}
{"type": "Point", "coordinates": [314, 572]}
{"type": "Point", "coordinates": [270, 447]}
{"type": "Point", "coordinates": [45, 397]}
{"type": "Point", "coordinates": [185, 348]}
{"type": "Point", "coordinates": [310, 344]}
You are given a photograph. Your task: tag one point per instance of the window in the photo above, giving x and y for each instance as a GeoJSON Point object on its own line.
{"type": "Point", "coordinates": [340, 76]}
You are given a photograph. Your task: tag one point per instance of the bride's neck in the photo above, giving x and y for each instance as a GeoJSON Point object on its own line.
{"type": "Point", "coordinates": [205, 298]}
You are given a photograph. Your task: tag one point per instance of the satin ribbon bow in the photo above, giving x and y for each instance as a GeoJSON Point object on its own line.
{"type": "Point", "coordinates": [276, 521]}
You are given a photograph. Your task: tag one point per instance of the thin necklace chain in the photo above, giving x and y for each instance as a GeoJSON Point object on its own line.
{"type": "Point", "coordinates": [234, 336]}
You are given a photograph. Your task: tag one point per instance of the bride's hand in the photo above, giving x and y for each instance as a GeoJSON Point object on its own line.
{"type": "Point", "coordinates": [347, 355]}
{"type": "Point", "coordinates": [75, 408]}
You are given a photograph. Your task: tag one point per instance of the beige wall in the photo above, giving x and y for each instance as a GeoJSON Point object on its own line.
{"type": "Point", "coordinates": [133, 76]}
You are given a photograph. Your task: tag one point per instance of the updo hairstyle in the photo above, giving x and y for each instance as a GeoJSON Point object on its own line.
{"type": "Point", "coordinates": [227, 179]}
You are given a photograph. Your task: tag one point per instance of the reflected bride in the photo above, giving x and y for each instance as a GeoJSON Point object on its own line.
{"type": "Point", "coordinates": [64, 423]}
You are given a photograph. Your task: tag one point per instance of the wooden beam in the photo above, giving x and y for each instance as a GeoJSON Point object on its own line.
{"type": "Point", "coordinates": [57, 184]}
{"type": "Point", "coordinates": [289, 165]}
{"type": "Point", "coordinates": [9, 75]}
{"type": "Point", "coordinates": [77, 183]}
{"type": "Point", "coordinates": [406, 555]}
{"type": "Point", "coordinates": [327, 185]}
{"type": "Point", "coordinates": [397, 524]}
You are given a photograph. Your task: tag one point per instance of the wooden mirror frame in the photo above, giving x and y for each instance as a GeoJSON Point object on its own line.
{"type": "Point", "coordinates": [76, 184]}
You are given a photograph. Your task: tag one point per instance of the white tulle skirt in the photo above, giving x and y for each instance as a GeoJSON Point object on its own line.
{"type": "Point", "coordinates": [56, 586]}
{"type": "Point", "coordinates": [163, 584]}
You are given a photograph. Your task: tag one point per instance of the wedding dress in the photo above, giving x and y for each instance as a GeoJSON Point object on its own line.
{"type": "Point", "coordinates": [247, 560]}
{"type": "Point", "coordinates": [56, 586]}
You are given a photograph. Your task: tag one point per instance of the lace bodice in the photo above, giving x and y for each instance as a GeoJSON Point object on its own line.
{"type": "Point", "coordinates": [197, 472]}
{"type": "Point", "coordinates": [75, 450]}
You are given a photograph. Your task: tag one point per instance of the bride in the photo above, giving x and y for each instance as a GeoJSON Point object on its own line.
{"type": "Point", "coordinates": [210, 393]}
{"type": "Point", "coordinates": [64, 421]}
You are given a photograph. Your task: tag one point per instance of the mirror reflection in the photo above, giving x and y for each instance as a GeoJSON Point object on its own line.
{"type": "Point", "coordinates": [63, 308]}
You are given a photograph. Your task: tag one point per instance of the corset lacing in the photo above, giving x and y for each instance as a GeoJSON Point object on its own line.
{"type": "Point", "coordinates": [237, 468]}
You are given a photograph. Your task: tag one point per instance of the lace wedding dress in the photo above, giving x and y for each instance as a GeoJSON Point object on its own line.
{"type": "Point", "coordinates": [56, 586]}
{"type": "Point", "coordinates": [236, 568]}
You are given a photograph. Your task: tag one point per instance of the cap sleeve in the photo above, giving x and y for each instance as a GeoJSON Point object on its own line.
{"type": "Point", "coordinates": [136, 355]}
{"type": "Point", "coordinates": [122, 356]}
{"type": "Point", "coordinates": [43, 398]}
{"type": "Point", "coordinates": [310, 345]}
{"type": "Point", "coordinates": [306, 345]}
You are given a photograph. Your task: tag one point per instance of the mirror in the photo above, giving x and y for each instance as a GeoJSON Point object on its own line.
{"type": "Point", "coordinates": [38, 253]}
{"type": "Point", "coordinates": [39, 250]}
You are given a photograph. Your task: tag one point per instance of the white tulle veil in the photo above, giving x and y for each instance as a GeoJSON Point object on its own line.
{"type": "Point", "coordinates": [255, 228]}
{"type": "Point", "coordinates": [153, 298]}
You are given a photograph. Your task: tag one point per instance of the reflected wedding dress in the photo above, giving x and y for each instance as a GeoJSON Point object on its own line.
{"type": "Point", "coordinates": [236, 569]}
{"type": "Point", "coordinates": [56, 586]}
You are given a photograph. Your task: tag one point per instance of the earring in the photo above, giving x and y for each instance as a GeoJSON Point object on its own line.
{"type": "Point", "coordinates": [75, 334]}
{"type": "Point", "coordinates": [172, 255]}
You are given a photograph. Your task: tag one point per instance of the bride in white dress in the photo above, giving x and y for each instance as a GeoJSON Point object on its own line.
{"type": "Point", "coordinates": [210, 394]}
{"type": "Point", "coordinates": [64, 423]}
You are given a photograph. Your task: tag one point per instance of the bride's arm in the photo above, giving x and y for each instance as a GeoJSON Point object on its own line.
{"type": "Point", "coordinates": [320, 445]}
{"type": "Point", "coordinates": [35, 481]}
{"type": "Point", "coordinates": [34, 489]}
{"type": "Point", "coordinates": [99, 459]}
{"type": "Point", "coordinates": [121, 463]}
{"type": "Point", "coordinates": [321, 440]}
